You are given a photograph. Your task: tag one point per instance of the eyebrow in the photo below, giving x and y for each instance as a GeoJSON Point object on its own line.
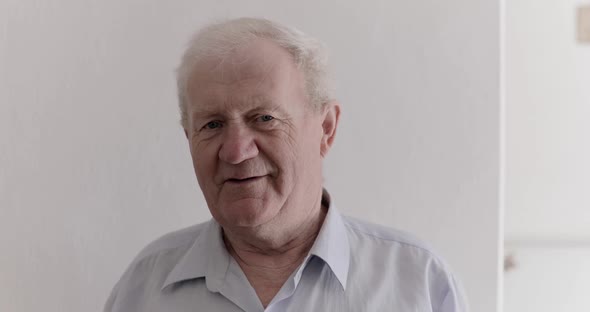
{"type": "Point", "coordinates": [259, 103]}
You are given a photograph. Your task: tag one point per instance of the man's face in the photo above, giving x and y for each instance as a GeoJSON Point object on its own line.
{"type": "Point", "coordinates": [256, 143]}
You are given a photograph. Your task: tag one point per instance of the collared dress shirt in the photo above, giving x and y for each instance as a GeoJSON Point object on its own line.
{"type": "Point", "coordinates": [352, 266]}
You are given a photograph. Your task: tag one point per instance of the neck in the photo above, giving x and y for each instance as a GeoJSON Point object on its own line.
{"type": "Point", "coordinates": [267, 258]}
{"type": "Point", "coordinates": [277, 250]}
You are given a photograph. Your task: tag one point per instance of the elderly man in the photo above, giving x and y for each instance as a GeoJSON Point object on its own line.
{"type": "Point", "coordinates": [259, 120]}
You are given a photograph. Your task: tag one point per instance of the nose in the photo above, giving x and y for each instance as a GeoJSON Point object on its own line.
{"type": "Point", "coordinates": [238, 145]}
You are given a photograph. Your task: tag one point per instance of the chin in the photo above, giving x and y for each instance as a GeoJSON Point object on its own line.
{"type": "Point", "coordinates": [245, 213]}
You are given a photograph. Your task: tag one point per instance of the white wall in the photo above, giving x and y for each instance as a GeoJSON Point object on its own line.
{"type": "Point", "coordinates": [93, 164]}
{"type": "Point", "coordinates": [547, 128]}
{"type": "Point", "coordinates": [548, 147]}
{"type": "Point", "coordinates": [548, 279]}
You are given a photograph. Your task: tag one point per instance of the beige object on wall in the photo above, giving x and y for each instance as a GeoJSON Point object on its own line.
{"type": "Point", "coordinates": [584, 24]}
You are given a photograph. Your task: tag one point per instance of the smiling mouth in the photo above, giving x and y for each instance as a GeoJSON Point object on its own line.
{"type": "Point", "coordinates": [244, 181]}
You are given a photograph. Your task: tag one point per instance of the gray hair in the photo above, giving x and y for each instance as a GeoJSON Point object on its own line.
{"type": "Point", "coordinates": [220, 39]}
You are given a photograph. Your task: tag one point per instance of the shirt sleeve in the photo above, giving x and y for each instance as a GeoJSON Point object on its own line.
{"type": "Point", "coordinates": [108, 307]}
{"type": "Point", "coordinates": [454, 300]}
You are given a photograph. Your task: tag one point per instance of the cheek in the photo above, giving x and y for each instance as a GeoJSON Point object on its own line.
{"type": "Point", "coordinates": [204, 161]}
{"type": "Point", "coordinates": [300, 152]}
{"type": "Point", "coordinates": [312, 141]}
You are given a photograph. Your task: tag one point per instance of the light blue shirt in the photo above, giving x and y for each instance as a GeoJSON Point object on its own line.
{"type": "Point", "coordinates": [352, 266]}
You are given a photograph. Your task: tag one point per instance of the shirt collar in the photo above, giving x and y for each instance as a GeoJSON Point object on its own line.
{"type": "Point", "coordinates": [332, 244]}
{"type": "Point", "coordinates": [208, 257]}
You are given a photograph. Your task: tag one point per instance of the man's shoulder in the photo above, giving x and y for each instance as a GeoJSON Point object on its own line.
{"type": "Point", "coordinates": [179, 239]}
{"type": "Point", "coordinates": [384, 235]}
{"type": "Point", "coordinates": [404, 258]}
{"type": "Point", "coordinates": [403, 251]}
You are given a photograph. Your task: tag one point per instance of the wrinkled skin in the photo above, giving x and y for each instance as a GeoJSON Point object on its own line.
{"type": "Point", "coordinates": [256, 143]}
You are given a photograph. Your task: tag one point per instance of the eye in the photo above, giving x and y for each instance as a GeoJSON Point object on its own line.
{"type": "Point", "coordinates": [212, 125]}
{"type": "Point", "coordinates": [265, 118]}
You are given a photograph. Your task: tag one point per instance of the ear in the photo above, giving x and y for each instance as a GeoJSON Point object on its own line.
{"type": "Point", "coordinates": [331, 116]}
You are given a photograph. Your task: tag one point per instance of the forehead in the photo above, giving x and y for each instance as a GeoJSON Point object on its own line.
{"type": "Point", "coordinates": [259, 71]}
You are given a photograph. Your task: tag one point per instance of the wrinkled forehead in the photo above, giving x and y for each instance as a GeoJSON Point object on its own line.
{"type": "Point", "coordinates": [260, 68]}
{"type": "Point", "coordinates": [258, 59]}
